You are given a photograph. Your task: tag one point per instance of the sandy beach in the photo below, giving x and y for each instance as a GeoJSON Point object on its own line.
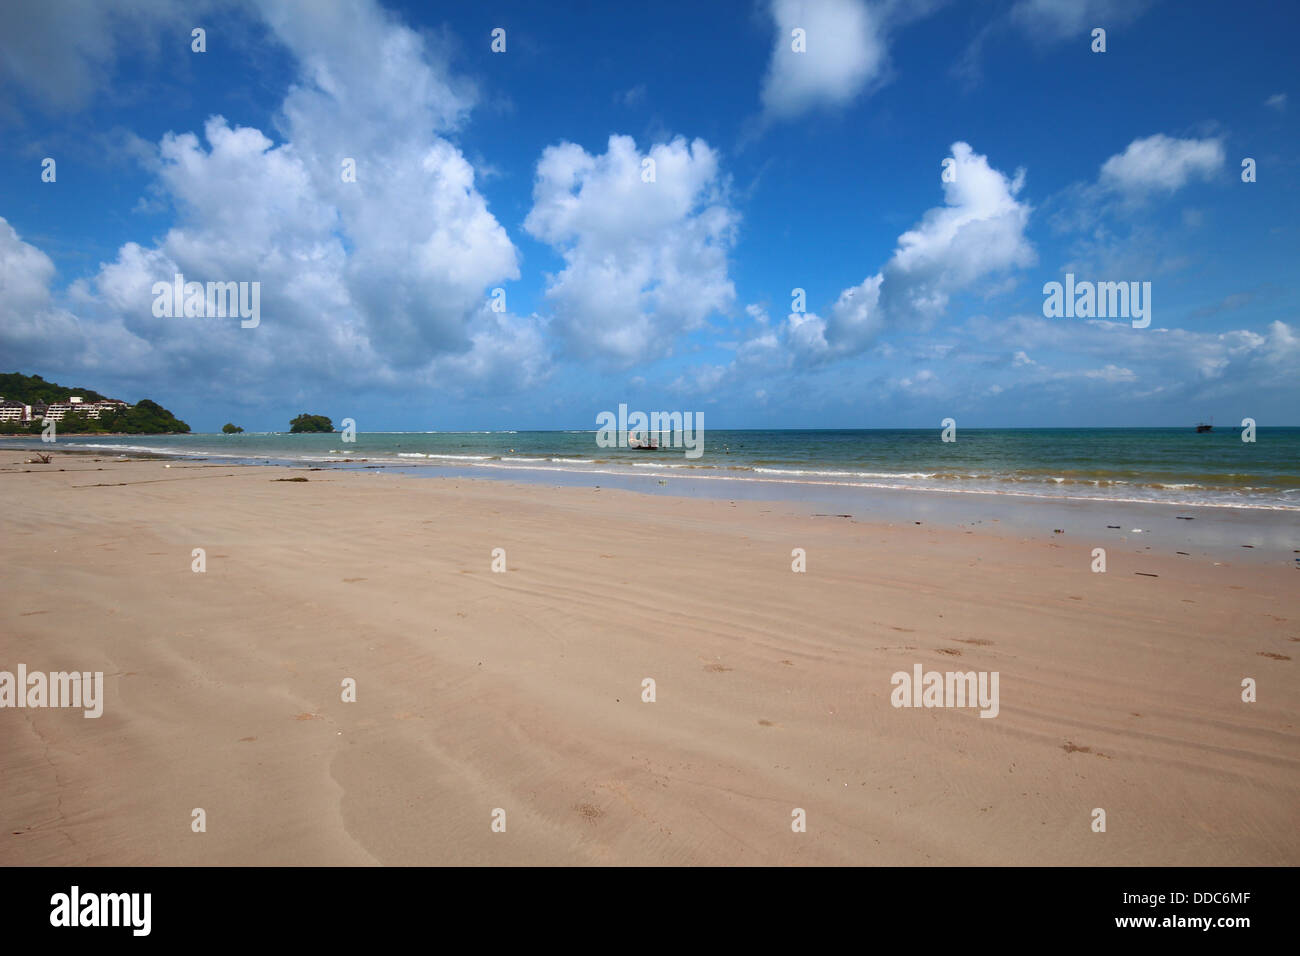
{"type": "Point", "coordinates": [522, 691]}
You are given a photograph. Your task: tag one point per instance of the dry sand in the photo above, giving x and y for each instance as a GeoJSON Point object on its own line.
{"type": "Point", "coordinates": [522, 691]}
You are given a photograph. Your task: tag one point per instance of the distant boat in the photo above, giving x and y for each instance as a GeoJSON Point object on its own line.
{"type": "Point", "coordinates": [1202, 427]}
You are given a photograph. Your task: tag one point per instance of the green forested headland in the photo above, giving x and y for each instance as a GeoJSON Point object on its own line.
{"type": "Point", "coordinates": [145, 417]}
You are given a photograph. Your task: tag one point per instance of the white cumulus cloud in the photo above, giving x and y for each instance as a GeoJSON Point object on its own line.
{"type": "Point", "coordinates": [387, 277]}
{"type": "Point", "coordinates": [975, 236]}
{"type": "Point", "coordinates": [1161, 163]}
{"type": "Point", "coordinates": [845, 54]}
{"type": "Point", "coordinates": [978, 232]}
{"type": "Point", "coordinates": [645, 261]}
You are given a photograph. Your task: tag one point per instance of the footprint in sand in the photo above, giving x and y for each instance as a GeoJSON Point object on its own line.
{"type": "Point", "coordinates": [715, 668]}
{"type": "Point", "coordinates": [977, 641]}
{"type": "Point", "coordinates": [1274, 657]}
{"type": "Point", "coordinates": [950, 651]}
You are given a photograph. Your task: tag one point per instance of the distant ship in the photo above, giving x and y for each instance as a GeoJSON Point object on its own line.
{"type": "Point", "coordinates": [1202, 427]}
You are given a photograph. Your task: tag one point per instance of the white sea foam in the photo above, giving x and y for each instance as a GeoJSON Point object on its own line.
{"type": "Point", "coordinates": [847, 474]}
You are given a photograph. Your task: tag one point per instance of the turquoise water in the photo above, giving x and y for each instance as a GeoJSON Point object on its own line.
{"type": "Point", "coordinates": [1138, 464]}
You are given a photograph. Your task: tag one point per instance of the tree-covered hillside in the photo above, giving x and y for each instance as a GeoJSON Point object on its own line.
{"type": "Point", "coordinates": [30, 389]}
{"type": "Point", "coordinates": [145, 417]}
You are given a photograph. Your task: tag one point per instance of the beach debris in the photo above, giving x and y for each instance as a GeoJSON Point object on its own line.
{"type": "Point", "coordinates": [916, 522]}
{"type": "Point", "coordinates": [1058, 531]}
{"type": "Point", "coordinates": [835, 516]}
{"type": "Point", "coordinates": [1070, 747]}
{"type": "Point", "coordinates": [1136, 530]}
{"type": "Point", "coordinates": [1248, 546]}
{"type": "Point", "coordinates": [38, 460]}
{"type": "Point", "coordinates": [1146, 574]}
{"type": "Point", "coordinates": [1184, 518]}
{"type": "Point", "coordinates": [1115, 526]}
{"type": "Point", "coordinates": [1182, 552]}
{"type": "Point", "coordinates": [299, 478]}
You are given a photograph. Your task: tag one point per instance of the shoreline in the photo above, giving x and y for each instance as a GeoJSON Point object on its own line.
{"type": "Point", "coordinates": [1271, 534]}
{"type": "Point", "coordinates": [1277, 492]}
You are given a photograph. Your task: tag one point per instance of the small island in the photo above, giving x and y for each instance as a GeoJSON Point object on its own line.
{"type": "Point", "coordinates": [231, 429]}
{"type": "Point", "coordinates": [311, 423]}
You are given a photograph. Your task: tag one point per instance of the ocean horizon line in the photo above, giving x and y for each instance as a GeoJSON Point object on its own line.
{"type": "Point", "coordinates": [719, 428]}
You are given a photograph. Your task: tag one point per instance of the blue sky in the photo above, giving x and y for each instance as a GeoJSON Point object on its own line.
{"type": "Point", "coordinates": [774, 170]}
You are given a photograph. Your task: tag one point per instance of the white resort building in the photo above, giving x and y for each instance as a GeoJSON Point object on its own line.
{"type": "Point", "coordinates": [18, 412]}
{"type": "Point", "coordinates": [14, 411]}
